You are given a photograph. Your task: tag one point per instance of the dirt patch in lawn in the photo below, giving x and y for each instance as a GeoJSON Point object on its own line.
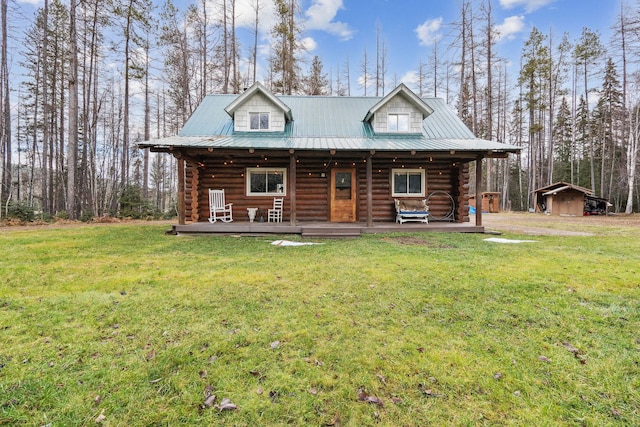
{"type": "Point", "coordinates": [546, 225]}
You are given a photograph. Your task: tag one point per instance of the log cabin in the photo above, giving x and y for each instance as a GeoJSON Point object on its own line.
{"type": "Point", "coordinates": [332, 159]}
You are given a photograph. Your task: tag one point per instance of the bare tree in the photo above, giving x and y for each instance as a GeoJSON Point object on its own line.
{"type": "Point", "coordinates": [632, 155]}
{"type": "Point", "coordinates": [257, 6]}
{"type": "Point", "coordinates": [364, 69]}
{"type": "Point", "coordinates": [5, 111]}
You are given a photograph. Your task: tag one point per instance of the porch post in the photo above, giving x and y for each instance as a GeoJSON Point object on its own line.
{"type": "Point", "coordinates": [479, 191]}
{"type": "Point", "coordinates": [181, 202]}
{"type": "Point", "coordinates": [369, 191]}
{"type": "Point", "coordinates": [292, 186]}
{"type": "Point", "coordinates": [195, 187]}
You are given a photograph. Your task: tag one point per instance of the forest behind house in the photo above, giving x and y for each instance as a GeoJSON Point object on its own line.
{"type": "Point", "coordinates": [85, 81]}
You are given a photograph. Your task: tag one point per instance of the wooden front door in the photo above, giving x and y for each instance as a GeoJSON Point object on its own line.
{"type": "Point", "coordinates": [343, 195]}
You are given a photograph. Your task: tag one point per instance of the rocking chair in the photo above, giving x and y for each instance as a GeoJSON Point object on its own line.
{"type": "Point", "coordinates": [218, 209]}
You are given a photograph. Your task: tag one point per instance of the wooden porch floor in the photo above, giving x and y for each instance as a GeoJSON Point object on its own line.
{"type": "Point", "coordinates": [321, 229]}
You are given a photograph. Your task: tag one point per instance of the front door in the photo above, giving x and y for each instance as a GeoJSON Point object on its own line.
{"type": "Point", "coordinates": [343, 195]}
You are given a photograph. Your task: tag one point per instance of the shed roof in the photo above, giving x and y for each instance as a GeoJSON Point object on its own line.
{"type": "Point", "coordinates": [326, 122]}
{"type": "Point", "coordinates": [559, 187]}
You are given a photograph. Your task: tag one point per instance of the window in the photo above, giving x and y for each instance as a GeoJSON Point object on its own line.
{"type": "Point", "coordinates": [259, 121]}
{"type": "Point", "coordinates": [408, 182]}
{"type": "Point", "coordinates": [398, 123]}
{"type": "Point", "coordinates": [266, 181]}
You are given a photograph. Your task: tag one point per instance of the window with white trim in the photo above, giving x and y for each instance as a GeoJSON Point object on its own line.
{"type": "Point", "coordinates": [408, 182]}
{"type": "Point", "coordinates": [266, 181]}
{"type": "Point", "coordinates": [259, 121]}
{"type": "Point", "coordinates": [398, 122]}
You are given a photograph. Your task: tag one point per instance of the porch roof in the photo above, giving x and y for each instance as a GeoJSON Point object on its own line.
{"type": "Point", "coordinates": [418, 143]}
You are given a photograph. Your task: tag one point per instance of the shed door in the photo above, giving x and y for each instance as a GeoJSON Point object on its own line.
{"type": "Point", "coordinates": [343, 195]}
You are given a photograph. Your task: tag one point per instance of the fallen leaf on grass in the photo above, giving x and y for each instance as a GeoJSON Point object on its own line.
{"type": "Point", "coordinates": [497, 375]}
{"type": "Point", "coordinates": [570, 348]}
{"type": "Point", "coordinates": [575, 351]}
{"type": "Point", "coordinates": [335, 421]}
{"type": "Point", "coordinates": [208, 390]}
{"type": "Point", "coordinates": [209, 401]}
{"type": "Point", "coordinates": [314, 361]}
{"type": "Point", "coordinates": [544, 359]}
{"type": "Point", "coordinates": [275, 344]}
{"type": "Point", "coordinates": [382, 379]}
{"type": "Point", "coordinates": [151, 355]}
{"type": "Point", "coordinates": [226, 405]}
{"type": "Point", "coordinates": [428, 392]}
{"type": "Point", "coordinates": [313, 391]}
{"type": "Point", "coordinates": [101, 417]}
{"type": "Point", "coordinates": [363, 396]}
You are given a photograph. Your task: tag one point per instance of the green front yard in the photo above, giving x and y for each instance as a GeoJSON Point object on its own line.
{"type": "Point", "coordinates": [122, 325]}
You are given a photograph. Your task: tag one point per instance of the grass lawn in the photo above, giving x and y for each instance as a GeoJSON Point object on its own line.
{"type": "Point", "coordinates": [122, 325]}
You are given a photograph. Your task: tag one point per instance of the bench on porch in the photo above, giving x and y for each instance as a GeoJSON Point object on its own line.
{"type": "Point", "coordinates": [411, 210]}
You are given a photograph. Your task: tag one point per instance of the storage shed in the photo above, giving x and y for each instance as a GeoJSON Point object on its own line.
{"type": "Point", "coordinates": [490, 201]}
{"type": "Point", "coordinates": [566, 199]}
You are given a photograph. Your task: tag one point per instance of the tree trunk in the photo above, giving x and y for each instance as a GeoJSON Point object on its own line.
{"type": "Point", "coordinates": [72, 147]}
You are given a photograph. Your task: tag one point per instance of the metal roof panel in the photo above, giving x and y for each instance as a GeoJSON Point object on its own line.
{"type": "Point", "coordinates": [326, 123]}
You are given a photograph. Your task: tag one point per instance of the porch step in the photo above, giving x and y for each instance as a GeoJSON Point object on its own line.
{"type": "Point", "coordinates": [330, 232]}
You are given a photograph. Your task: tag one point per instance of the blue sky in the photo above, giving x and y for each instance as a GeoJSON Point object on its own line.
{"type": "Point", "coordinates": [409, 27]}
{"type": "Point", "coordinates": [337, 30]}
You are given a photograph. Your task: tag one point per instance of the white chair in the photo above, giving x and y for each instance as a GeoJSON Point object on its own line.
{"type": "Point", "coordinates": [275, 214]}
{"type": "Point", "coordinates": [218, 209]}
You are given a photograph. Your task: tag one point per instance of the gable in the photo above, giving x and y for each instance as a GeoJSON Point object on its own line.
{"type": "Point", "coordinates": [259, 103]}
{"type": "Point", "coordinates": [399, 106]}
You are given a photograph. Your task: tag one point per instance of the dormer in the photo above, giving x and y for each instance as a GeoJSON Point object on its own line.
{"type": "Point", "coordinates": [400, 112]}
{"type": "Point", "coordinates": [258, 110]}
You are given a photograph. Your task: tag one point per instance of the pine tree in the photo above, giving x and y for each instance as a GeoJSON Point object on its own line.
{"type": "Point", "coordinates": [286, 48]}
{"type": "Point", "coordinates": [562, 137]}
{"type": "Point", "coordinates": [587, 52]}
{"type": "Point", "coordinates": [316, 82]}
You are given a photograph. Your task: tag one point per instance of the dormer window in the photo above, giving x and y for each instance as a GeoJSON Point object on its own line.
{"type": "Point", "coordinates": [259, 121]}
{"type": "Point", "coordinates": [398, 122]}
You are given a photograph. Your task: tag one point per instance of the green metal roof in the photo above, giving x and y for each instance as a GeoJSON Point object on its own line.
{"type": "Point", "coordinates": [325, 123]}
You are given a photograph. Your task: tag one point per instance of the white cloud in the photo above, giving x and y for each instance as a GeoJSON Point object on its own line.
{"type": "Point", "coordinates": [321, 15]}
{"type": "Point", "coordinates": [35, 3]}
{"type": "Point", "coordinates": [511, 26]}
{"type": "Point", "coordinates": [309, 44]}
{"type": "Point", "coordinates": [428, 31]}
{"type": "Point", "coordinates": [369, 80]}
{"type": "Point", "coordinates": [246, 14]}
{"type": "Point", "coordinates": [410, 79]}
{"type": "Point", "coordinates": [529, 5]}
